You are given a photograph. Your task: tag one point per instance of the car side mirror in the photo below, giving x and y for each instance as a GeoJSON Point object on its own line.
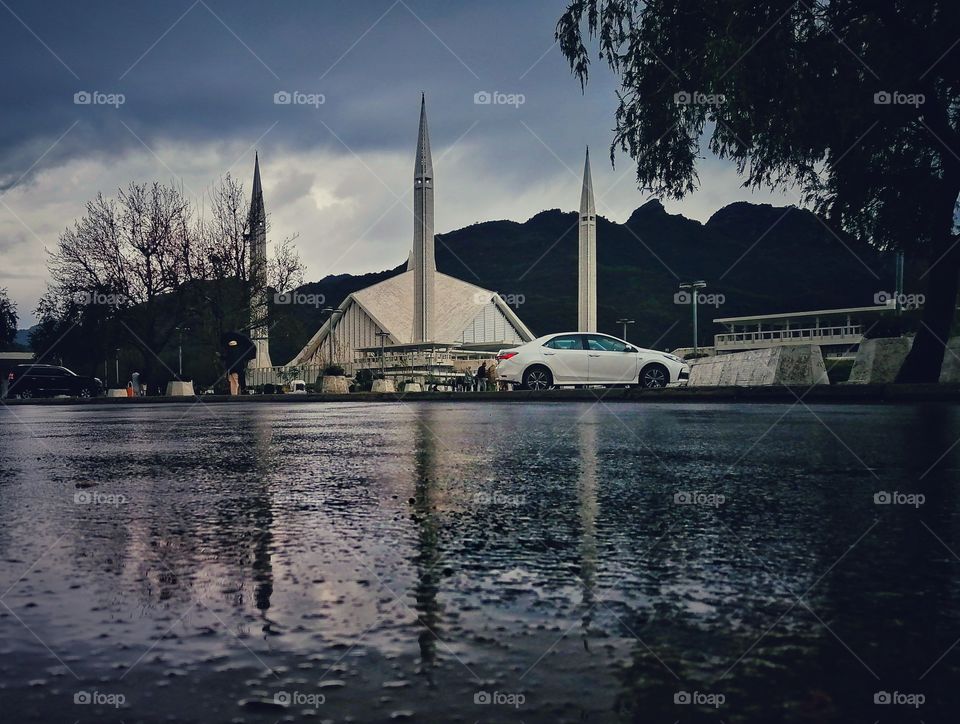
{"type": "Point", "coordinates": [630, 349]}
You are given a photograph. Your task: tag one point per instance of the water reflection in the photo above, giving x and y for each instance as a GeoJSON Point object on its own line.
{"type": "Point", "coordinates": [588, 508]}
{"type": "Point", "coordinates": [428, 556]}
{"type": "Point", "coordinates": [259, 550]}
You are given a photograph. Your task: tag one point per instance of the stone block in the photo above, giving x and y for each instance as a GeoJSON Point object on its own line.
{"type": "Point", "coordinates": [383, 386]}
{"type": "Point", "coordinates": [179, 389]}
{"type": "Point", "coordinates": [413, 387]}
{"type": "Point", "coordinates": [116, 393]}
{"type": "Point", "coordinates": [334, 384]}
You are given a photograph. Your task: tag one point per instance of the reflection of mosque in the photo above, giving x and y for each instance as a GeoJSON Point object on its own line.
{"type": "Point", "coordinates": [259, 511]}
{"type": "Point", "coordinates": [428, 550]}
{"type": "Point", "coordinates": [588, 508]}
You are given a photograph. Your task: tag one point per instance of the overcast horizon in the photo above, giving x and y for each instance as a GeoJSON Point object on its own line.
{"type": "Point", "coordinates": [189, 90]}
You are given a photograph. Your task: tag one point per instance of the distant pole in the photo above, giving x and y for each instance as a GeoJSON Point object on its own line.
{"type": "Point", "coordinates": [118, 367]}
{"type": "Point", "coordinates": [694, 288]}
{"type": "Point", "coordinates": [625, 322]}
{"type": "Point", "coordinates": [180, 331]}
{"type": "Point", "coordinates": [898, 293]}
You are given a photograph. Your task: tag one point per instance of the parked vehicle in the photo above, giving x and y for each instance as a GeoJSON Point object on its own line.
{"type": "Point", "coordinates": [26, 381]}
{"type": "Point", "coordinates": [577, 358]}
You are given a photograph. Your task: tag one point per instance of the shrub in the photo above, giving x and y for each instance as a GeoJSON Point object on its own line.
{"type": "Point", "coordinates": [333, 370]}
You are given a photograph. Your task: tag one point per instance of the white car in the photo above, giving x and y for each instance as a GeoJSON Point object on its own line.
{"type": "Point", "coordinates": [579, 358]}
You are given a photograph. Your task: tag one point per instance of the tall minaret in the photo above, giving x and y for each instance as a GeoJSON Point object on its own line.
{"type": "Point", "coordinates": [422, 259]}
{"type": "Point", "coordinates": [587, 294]}
{"type": "Point", "coordinates": [256, 237]}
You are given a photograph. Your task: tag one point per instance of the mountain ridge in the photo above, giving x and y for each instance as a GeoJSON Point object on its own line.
{"type": "Point", "coordinates": [758, 259]}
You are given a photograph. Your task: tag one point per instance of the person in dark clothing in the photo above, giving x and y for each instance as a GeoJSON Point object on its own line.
{"type": "Point", "coordinates": [482, 377]}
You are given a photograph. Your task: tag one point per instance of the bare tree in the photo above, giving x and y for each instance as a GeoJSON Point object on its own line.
{"type": "Point", "coordinates": [128, 259]}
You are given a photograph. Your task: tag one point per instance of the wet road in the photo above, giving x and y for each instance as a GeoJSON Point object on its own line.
{"type": "Point", "coordinates": [465, 562]}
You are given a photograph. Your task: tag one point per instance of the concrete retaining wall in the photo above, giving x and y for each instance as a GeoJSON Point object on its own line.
{"type": "Point", "coordinates": [801, 365]}
{"type": "Point", "coordinates": [950, 372]}
{"type": "Point", "coordinates": [879, 360]}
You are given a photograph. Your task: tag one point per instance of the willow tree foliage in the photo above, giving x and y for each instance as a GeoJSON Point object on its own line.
{"type": "Point", "coordinates": [853, 104]}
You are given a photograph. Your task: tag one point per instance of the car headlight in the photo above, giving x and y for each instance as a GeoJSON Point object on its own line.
{"type": "Point", "coordinates": [673, 358]}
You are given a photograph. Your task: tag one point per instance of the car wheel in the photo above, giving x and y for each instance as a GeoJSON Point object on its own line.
{"type": "Point", "coordinates": [537, 378]}
{"type": "Point", "coordinates": [653, 376]}
{"type": "Point", "coordinates": [85, 392]}
{"type": "Point", "coordinates": [26, 394]}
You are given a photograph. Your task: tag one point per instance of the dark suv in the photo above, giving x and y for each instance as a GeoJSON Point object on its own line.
{"type": "Point", "coordinates": [28, 381]}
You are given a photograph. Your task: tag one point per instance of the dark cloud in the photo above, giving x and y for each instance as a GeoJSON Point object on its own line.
{"type": "Point", "coordinates": [198, 81]}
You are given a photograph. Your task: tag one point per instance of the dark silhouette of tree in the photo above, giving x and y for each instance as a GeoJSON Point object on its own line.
{"type": "Point", "coordinates": [8, 318]}
{"type": "Point", "coordinates": [856, 104]}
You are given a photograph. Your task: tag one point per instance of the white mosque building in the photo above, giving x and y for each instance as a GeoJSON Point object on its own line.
{"type": "Point", "coordinates": [420, 319]}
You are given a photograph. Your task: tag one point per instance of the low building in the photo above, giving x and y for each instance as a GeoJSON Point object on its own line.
{"type": "Point", "coordinates": [838, 332]}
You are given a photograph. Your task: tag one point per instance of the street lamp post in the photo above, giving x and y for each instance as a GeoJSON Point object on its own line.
{"type": "Point", "coordinates": [118, 367]}
{"type": "Point", "coordinates": [694, 288]}
{"type": "Point", "coordinates": [180, 331]}
{"type": "Point", "coordinates": [625, 322]}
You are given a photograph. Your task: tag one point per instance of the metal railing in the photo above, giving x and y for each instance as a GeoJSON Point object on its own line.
{"type": "Point", "coordinates": [844, 334]}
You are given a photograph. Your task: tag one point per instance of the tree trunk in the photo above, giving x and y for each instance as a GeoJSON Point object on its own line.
{"type": "Point", "coordinates": [925, 360]}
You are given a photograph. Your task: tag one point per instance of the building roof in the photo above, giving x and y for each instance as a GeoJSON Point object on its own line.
{"type": "Point", "coordinates": [390, 305]}
{"type": "Point", "coordinates": [816, 313]}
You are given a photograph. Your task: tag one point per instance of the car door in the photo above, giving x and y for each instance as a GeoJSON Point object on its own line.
{"type": "Point", "coordinates": [61, 381]}
{"type": "Point", "coordinates": [567, 359]}
{"type": "Point", "coordinates": [39, 381]}
{"type": "Point", "coordinates": [611, 361]}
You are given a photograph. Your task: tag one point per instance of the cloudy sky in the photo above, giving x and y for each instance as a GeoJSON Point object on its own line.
{"type": "Point", "coordinates": [199, 80]}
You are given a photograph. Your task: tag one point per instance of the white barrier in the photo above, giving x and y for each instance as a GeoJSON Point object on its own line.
{"type": "Point", "coordinates": [800, 366]}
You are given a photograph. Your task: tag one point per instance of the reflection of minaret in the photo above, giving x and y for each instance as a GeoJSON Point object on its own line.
{"type": "Point", "coordinates": [422, 259]}
{"type": "Point", "coordinates": [256, 237]}
{"type": "Point", "coordinates": [587, 495]}
{"type": "Point", "coordinates": [428, 549]}
{"type": "Point", "coordinates": [259, 506]}
{"type": "Point", "coordinates": [587, 290]}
